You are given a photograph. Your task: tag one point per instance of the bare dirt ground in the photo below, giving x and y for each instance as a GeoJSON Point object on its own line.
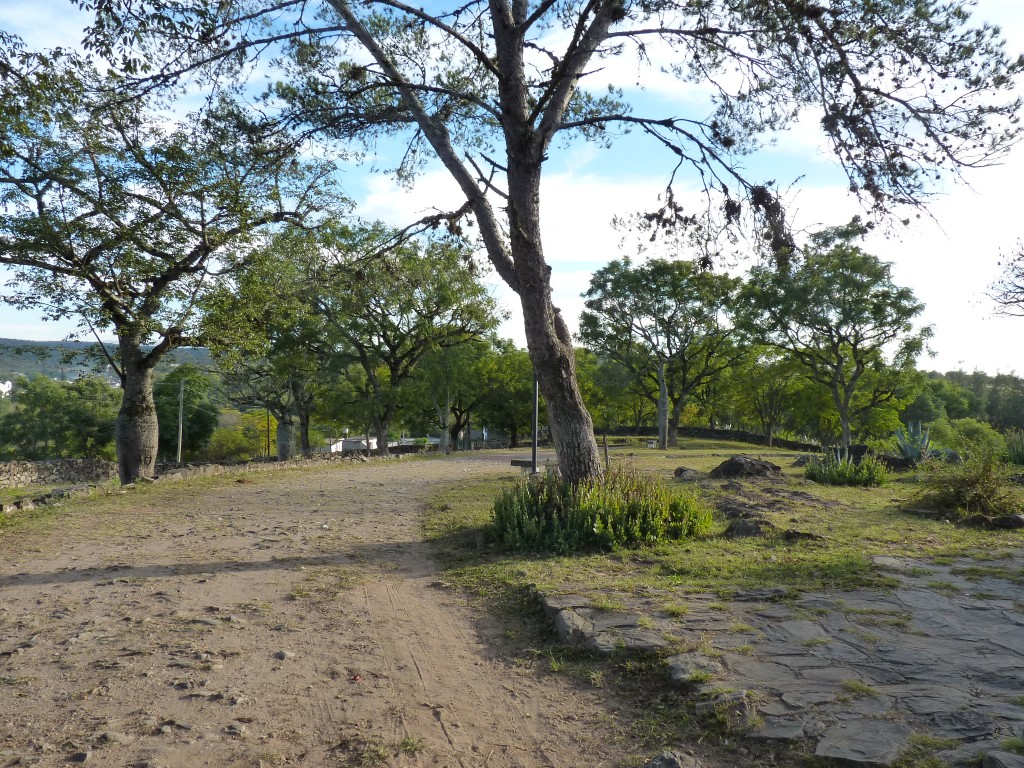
{"type": "Point", "coordinates": [287, 618]}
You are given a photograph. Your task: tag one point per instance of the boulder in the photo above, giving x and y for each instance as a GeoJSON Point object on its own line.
{"type": "Point", "coordinates": [685, 474]}
{"type": "Point", "coordinates": [669, 759]}
{"type": "Point", "coordinates": [745, 466]}
{"type": "Point", "coordinates": [746, 527]}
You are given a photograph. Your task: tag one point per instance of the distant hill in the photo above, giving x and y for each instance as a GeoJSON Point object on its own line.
{"type": "Point", "coordinates": [67, 360]}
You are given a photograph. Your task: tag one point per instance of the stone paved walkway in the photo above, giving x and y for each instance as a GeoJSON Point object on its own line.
{"type": "Point", "coordinates": [854, 673]}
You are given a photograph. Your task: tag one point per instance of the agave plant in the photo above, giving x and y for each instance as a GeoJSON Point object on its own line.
{"type": "Point", "coordinates": [913, 443]}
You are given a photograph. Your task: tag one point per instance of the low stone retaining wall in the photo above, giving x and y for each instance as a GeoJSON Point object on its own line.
{"type": "Point", "coordinates": [17, 474]}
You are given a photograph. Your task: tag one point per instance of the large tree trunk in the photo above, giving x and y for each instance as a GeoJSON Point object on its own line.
{"type": "Point", "coordinates": [443, 417]}
{"type": "Point", "coordinates": [382, 425]}
{"type": "Point", "coordinates": [304, 446]}
{"type": "Point", "coordinates": [662, 407]}
{"type": "Point", "coordinates": [136, 431]}
{"type": "Point", "coordinates": [547, 336]}
{"type": "Point", "coordinates": [285, 436]}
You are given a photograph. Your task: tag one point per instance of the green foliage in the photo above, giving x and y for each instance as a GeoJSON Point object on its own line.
{"type": "Point", "coordinates": [200, 413]}
{"type": "Point", "coordinates": [621, 509]}
{"type": "Point", "coordinates": [831, 470]}
{"type": "Point", "coordinates": [1015, 446]}
{"type": "Point", "coordinates": [665, 322]}
{"type": "Point", "coordinates": [53, 419]}
{"type": "Point", "coordinates": [227, 444]}
{"type": "Point", "coordinates": [978, 486]}
{"type": "Point", "coordinates": [913, 443]}
{"type": "Point", "coordinates": [967, 435]}
{"type": "Point", "coordinates": [851, 328]}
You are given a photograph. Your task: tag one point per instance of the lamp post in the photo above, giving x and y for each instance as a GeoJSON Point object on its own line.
{"type": "Point", "coordinates": [536, 422]}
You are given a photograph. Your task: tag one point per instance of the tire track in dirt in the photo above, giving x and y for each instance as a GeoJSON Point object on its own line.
{"type": "Point", "coordinates": [291, 618]}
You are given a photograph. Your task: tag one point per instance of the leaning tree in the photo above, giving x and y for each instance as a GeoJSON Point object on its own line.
{"type": "Point", "coordinates": [900, 88]}
{"type": "Point", "coordinates": [116, 217]}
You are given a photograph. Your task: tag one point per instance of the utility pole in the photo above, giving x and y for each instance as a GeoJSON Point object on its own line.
{"type": "Point", "coordinates": [181, 415]}
{"type": "Point", "coordinates": [536, 422]}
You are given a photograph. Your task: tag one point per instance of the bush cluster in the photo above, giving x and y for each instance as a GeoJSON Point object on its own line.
{"type": "Point", "coordinates": [977, 486]}
{"type": "Point", "coordinates": [830, 470]}
{"type": "Point", "coordinates": [623, 508]}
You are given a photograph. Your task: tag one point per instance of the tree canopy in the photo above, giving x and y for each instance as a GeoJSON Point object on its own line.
{"type": "Point", "coordinates": [667, 321]}
{"type": "Point", "coordinates": [840, 315]}
{"type": "Point", "coordinates": [901, 89]}
{"type": "Point", "coordinates": [116, 216]}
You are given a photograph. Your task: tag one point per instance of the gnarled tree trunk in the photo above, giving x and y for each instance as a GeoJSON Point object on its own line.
{"type": "Point", "coordinates": [136, 431]}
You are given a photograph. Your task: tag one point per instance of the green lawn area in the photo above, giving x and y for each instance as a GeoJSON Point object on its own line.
{"type": "Point", "coordinates": [853, 524]}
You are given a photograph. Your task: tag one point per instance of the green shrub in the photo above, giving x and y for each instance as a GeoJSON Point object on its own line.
{"type": "Point", "coordinates": [830, 470]}
{"type": "Point", "coordinates": [229, 444]}
{"type": "Point", "coordinates": [966, 435]}
{"type": "Point", "coordinates": [621, 509]}
{"type": "Point", "coordinates": [978, 486]}
{"type": "Point", "coordinates": [1015, 446]}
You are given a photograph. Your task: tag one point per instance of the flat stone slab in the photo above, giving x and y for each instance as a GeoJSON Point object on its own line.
{"type": "Point", "coordinates": [833, 668]}
{"type": "Point", "coordinates": [864, 742]}
{"type": "Point", "coordinates": [1002, 760]}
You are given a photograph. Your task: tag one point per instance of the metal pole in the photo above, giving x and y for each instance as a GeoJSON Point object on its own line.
{"type": "Point", "coordinates": [181, 415]}
{"type": "Point", "coordinates": [536, 421]}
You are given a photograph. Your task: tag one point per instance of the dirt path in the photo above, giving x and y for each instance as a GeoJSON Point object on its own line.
{"type": "Point", "coordinates": [291, 618]}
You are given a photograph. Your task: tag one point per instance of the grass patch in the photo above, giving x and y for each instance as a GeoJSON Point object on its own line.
{"type": "Point", "coordinates": [921, 752]}
{"type": "Point", "coordinates": [1013, 744]}
{"type": "Point", "coordinates": [410, 745]}
{"type": "Point", "coordinates": [859, 688]}
{"type": "Point", "coordinates": [833, 471]}
{"type": "Point", "coordinates": [624, 508]}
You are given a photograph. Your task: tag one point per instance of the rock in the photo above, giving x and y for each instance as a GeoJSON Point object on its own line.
{"type": "Point", "coordinates": [744, 466]}
{"type": "Point", "coordinates": [687, 670]}
{"type": "Point", "coordinates": [802, 461]}
{"type": "Point", "coordinates": [284, 655]}
{"type": "Point", "coordinates": [864, 742]}
{"type": "Point", "coordinates": [113, 737]}
{"type": "Point", "coordinates": [964, 755]}
{"type": "Point", "coordinates": [779, 729]}
{"type": "Point", "coordinates": [1009, 521]}
{"type": "Point", "coordinates": [747, 528]}
{"type": "Point", "coordinates": [961, 724]}
{"type": "Point", "coordinates": [669, 759]}
{"type": "Point", "coordinates": [685, 474]}
{"type": "Point", "coordinates": [1002, 760]}
{"type": "Point", "coordinates": [759, 595]}
{"type": "Point", "coordinates": [79, 757]}
{"type": "Point", "coordinates": [735, 706]}
{"type": "Point", "coordinates": [791, 534]}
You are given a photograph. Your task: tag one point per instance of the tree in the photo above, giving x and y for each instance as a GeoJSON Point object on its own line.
{"type": "Point", "coordinates": [260, 326]}
{"type": "Point", "coordinates": [841, 316]}
{"type": "Point", "coordinates": [54, 419]}
{"type": "Point", "coordinates": [1008, 290]}
{"type": "Point", "coordinates": [508, 402]}
{"type": "Point", "coordinates": [456, 380]}
{"type": "Point", "coordinates": [666, 321]}
{"type": "Point", "coordinates": [767, 382]}
{"type": "Point", "coordinates": [902, 88]}
{"type": "Point", "coordinates": [114, 217]}
{"type": "Point", "coordinates": [386, 303]}
{"type": "Point", "coordinates": [199, 414]}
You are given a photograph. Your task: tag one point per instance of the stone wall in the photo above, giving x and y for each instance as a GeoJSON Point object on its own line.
{"type": "Point", "coordinates": [17, 474]}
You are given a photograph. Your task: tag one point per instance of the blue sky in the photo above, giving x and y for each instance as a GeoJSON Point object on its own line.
{"type": "Point", "coordinates": [949, 259]}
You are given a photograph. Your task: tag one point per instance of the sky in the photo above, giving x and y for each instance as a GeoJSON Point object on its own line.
{"type": "Point", "coordinates": [949, 257]}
